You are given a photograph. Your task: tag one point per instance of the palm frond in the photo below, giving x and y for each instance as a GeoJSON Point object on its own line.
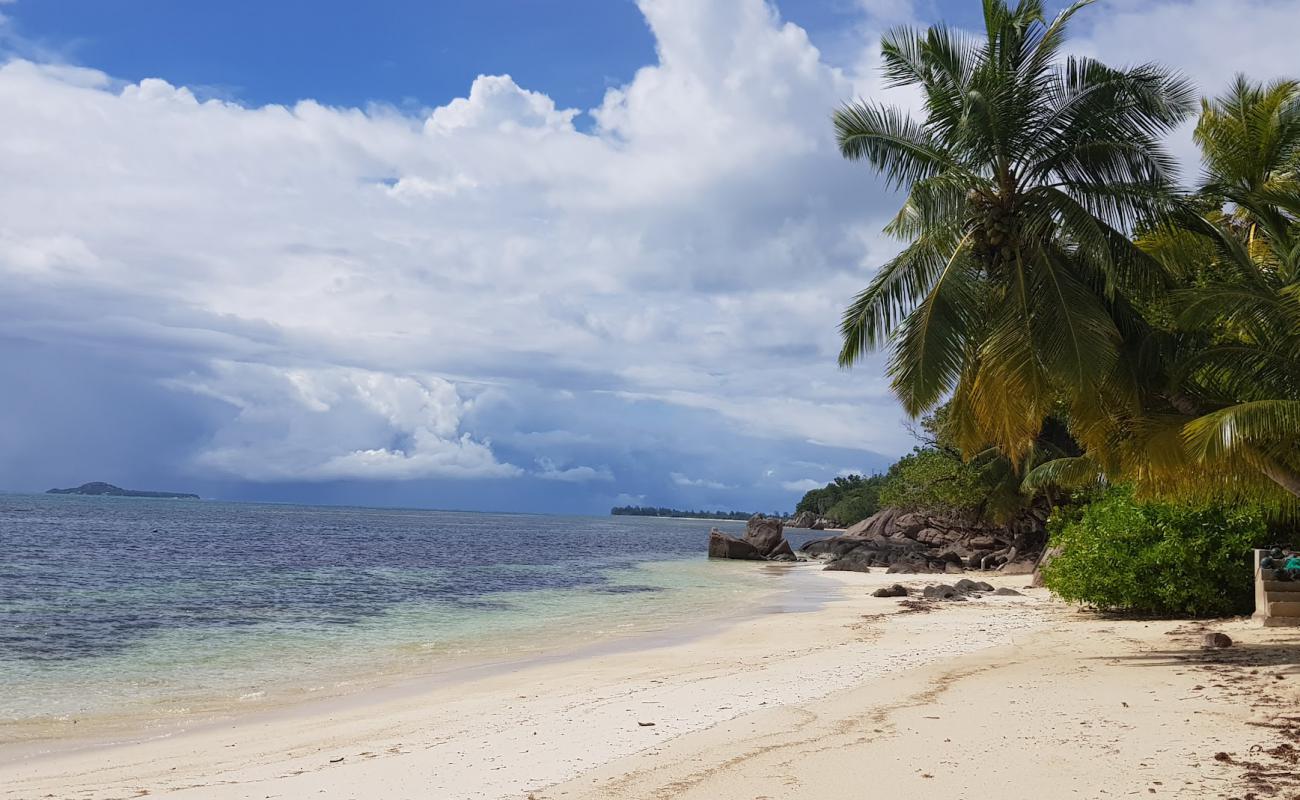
{"type": "Point", "coordinates": [1011, 392]}
{"type": "Point", "coordinates": [934, 338]}
{"type": "Point", "coordinates": [889, 140]}
{"type": "Point", "coordinates": [1248, 134]}
{"type": "Point", "coordinates": [1076, 472]}
{"type": "Point", "coordinates": [1240, 428]}
{"type": "Point", "coordinates": [898, 287]}
{"type": "Point", "coordinates": [935, 203]}
{"type": "Point", "coordinates": [1077, 341]}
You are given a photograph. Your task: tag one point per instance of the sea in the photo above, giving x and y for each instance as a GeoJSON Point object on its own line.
{"type": "Point", "coordinates": [130, 614]}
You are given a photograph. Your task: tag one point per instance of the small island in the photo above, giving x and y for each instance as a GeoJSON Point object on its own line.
{"type": "Point", "coordinates": [101, 489]}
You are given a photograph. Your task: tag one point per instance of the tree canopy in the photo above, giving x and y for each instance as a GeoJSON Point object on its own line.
{"type": "Point", "coordinates": [1055, 274]}
{"type": "Point", "coordinates": [845, 500]}
{"type": "Point", "coordinates": [1023, 175]}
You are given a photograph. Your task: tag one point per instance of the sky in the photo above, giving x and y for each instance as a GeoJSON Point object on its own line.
{"type": "Point", "coordinates": [516, 255]}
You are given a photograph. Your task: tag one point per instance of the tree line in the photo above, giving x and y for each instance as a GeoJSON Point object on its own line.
{"type": "Point", "coordinates": [652, 511]}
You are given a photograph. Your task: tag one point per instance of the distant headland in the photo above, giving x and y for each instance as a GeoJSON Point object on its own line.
{"type": "Point", "coordinates": [651, 511]}
{"type": "Point", "coordinates": [109, 490]}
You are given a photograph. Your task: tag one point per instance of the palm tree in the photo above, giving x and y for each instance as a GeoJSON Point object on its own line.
{"type": "Point", "coordinates": [1023, 174]}
{"type": "Point", "coordinates": [1220, 365]}
{"type": "Point", "coordinates": [1246, 383]}
{"type": "Point", "coordinates": [1250, 141]}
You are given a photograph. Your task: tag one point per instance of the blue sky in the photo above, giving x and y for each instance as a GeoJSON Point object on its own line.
{"type": "Point", "coordinates": [395, 51]}
{"type": "Point", "coordinates": [348, 53]}
{"type": "Point", "coordinates": [535, 256]}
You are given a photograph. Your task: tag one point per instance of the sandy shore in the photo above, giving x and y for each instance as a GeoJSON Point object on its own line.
{"type": "Point", "coordinates": [1012, 697]}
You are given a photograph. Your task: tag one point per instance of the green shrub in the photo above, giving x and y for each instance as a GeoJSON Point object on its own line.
{"type": "Point", "coordinates": [933, 480]}
{"type": "Point", "coordinates": [854, 508]}
{"type": "Point", "coordinates": [846, 500]}
{"type": "Point", "coordinates": [1162, 558]}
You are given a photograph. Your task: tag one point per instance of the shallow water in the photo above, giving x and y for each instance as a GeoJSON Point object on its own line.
{"type": "Point", "coordinates": [146, 611]}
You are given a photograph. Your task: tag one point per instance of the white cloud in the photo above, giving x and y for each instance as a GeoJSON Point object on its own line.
{"type": "Point", "coordinates": [1209, 41]}
{"type": "Point", "coordinates": [335, 423]}
{"type": "Point", "coordinates": [679, 479]}
{"type": "Point", "coordinates": [820, 421]}
{"type": "Point", "coordinates": [693, 248]}
{"type": "Point", "coordinates": [804, 485]}
{"type": "Point", "coordinates": [547, 470]}
{"type": "Point", "coordinates": [699, 241]}
{"type": "Point", "coordinates": [496, 103]}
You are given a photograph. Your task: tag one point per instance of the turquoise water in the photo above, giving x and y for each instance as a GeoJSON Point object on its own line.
{"type": "Point", "coordinates": [145, 612]}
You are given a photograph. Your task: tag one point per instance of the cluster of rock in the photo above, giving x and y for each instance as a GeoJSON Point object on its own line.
{"type": "Point", "coordinates": [917, 542]}
{"type": "Point", "coordinates": [764, 541]}
{"type": "Point", "coordinates": [960, 590]}
{"type": "Point", "coordinates": [963, 589]}
{"type": "Point", "coordinates": [807, 519]}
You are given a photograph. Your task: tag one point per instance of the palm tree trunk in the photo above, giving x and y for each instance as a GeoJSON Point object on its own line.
{"type": "Point", "coordinates": [1283, 476]}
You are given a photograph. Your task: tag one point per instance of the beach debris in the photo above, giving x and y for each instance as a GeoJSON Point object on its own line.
{"type": "Point", "coordinates": [336, 760]}
{"type": "Point", "coordinates": [1215, 640]}
{"type": "Point", "coordinates": [646, 724]}
{"type": "Point", "coordinates": [911, 606]}
{"type": "Point", "coordinates": [897, 590]}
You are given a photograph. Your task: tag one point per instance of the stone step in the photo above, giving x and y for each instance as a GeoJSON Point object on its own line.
{"type": "Point", "coordinates": [1282, 587]}
{"type": "Point", "coordinates": [1284, 608]}
{"type": "Point", "coordinates": [1278, 622]}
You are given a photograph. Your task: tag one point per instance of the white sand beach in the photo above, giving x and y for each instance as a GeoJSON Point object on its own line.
{"type": "Point", "coordinates": [1012, 697]}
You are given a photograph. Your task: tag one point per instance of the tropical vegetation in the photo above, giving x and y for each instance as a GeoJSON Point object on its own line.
{"type": "Point", "coordinates": [936, 478]}
{"type": "Point", "coordinates": [844, 501]}
{"type": "Point", "coordinates": [1018, 279]}
{"type": "Point", "coordinates": [1159, 558]}
{"type": "Point", "coordinates": [1085, 317]}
